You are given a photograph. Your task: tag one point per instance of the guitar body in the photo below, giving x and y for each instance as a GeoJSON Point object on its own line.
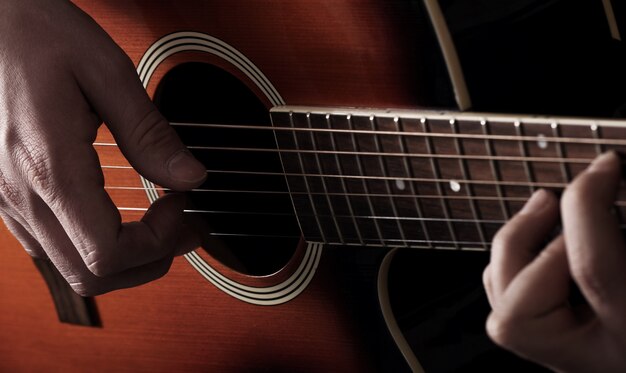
{"type": "Point", "coordinates": [258, 296]}
{"type": "Point", "coordinates": [313, 53]}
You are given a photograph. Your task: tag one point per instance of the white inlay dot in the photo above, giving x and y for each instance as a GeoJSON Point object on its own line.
{"type": "Point", "coordinates": [400, 184]}
{"type": "Point", "coordinates": [455, 186]}
{"type": "Point", "coordinates": [542, 143]}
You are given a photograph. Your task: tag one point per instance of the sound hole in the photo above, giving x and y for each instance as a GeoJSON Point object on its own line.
{"type": "Point", "coordinates": [244, 202]}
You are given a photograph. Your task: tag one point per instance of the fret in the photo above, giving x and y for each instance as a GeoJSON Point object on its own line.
{"type": "Point", "coordinates": [469, 188]}
{"type": "Point", "coordinates": [436, 173]}
{"type": "Point", "coordinates": [556, 132]}
{"type": "Point", "coordinates": [409, 172]}
{"type": "Point", "coordinates": [596, 133]}
{"type": "Point", "coordinates": [397, 179]}
{"type": "Point", "coordinates": [323, 180]}
{"type": "Point", "coordinates": [306, 182]}
{"type": "Point", "coordinates": [385, 172]}
{"type": "Point", "coordinates": [524, 153]}
{"type": "Point", "coordinates": [494, 169]}
{"type": "Point", "coordinates": [343, 183]}
{"type": "Point", "coordinates": [359, 164]}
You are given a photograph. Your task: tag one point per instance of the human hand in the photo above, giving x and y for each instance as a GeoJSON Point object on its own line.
{"type": "Point", "coordinates": [528, 288]}
{"type": "Point", "coordinates": [60, 77]}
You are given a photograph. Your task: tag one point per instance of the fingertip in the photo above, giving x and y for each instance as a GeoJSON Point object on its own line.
{"type": "Point", "coordinates": [538, 202]}
{"type": "Point", "coordinates": [184, 168]}
{"type": "Point", "coordinates": [606, 162]}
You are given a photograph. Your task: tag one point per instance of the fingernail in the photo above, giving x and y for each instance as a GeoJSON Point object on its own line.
{"type": "Point", "coordinates": [603, 162]}
{"type": "Point", "coordinates": [182, 166]}
{"type": "Point", "coordinates": [536, 202]}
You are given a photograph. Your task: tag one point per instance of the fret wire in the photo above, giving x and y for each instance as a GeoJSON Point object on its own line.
{"type": "Point", "coordinates": [343, 182]}
{"type": "Point", "coordinates": [596, 133]}
{"type": "Point", "coordinates": [495, 171]}
{"type": "Point", "coordinates": [519, 130]}
{"type": "Point", "coordinates": [437, 175]}
{"type": "Point", "coordinates": [355, 146]}
{"type": "Point", "coordinates": [560, 152]}
{"type": "Point", "coordinates": [306, 182]}
{"type": "Point", "coordinates": [409, 172]}
{"type": "Point", "coordinates": [323, 180]}
{"type": "Point", "coordinates": [571, 140]}
{"type": "Point", "coordinates": [385, 171]}
{"type": "Point", "coordinates": [600, 148]}
{"type": "Point", "coordinates": [469, 187]}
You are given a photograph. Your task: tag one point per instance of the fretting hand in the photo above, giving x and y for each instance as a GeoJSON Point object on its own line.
{"type": "Point", "coordinates": [528, 286]}
{"type": "Point", "coordinates": [60, 77]}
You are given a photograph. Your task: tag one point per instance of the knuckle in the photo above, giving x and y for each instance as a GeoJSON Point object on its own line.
{"type": "Point", "coordinates": [503, 331]}
{"type": "Point", "coordinates": [589, 277]}
{"type": "Point", "coordinates": [487, 276]}
{"type": "Point", "coordinates": [151, 132]}
{"type": "Point", "coordinates": [99, 267]}
{"type": "Point", "coordinates": [576, 194]}
{"type": "Point", "coordinates": [85, 290]}
{"type": "Point", "coordinates": [35, 164]}
{"type": "Point", "coordinates": [503, 238]}
{"type": "Point", "coordinates": [9, 193]}
{"type": "Point", "coordinates": [83, 283]}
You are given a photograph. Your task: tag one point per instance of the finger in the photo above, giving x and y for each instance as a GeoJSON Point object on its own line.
{"type": "Point", "coordinates": [74, 191]}
{"type": "Point", "coordinates": [595, 245]}
{"type": "Point", "coordinates": [487, 285]}
{"type": "Point", "coordinates": [109, 80]}
{"type": "Point", "coordinates": [534, 316]}
{"type": "Point", "coordinates": [72, 267]}
{"type": "Point", "coordinates": [517, 242]}
{"type": "Point", "coordinates": [24, 235]}
{"type": "Point", "coordinates": [542, 286]}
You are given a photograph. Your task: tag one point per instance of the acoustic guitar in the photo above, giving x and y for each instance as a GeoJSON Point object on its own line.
{"type": "Point", "coordinates": [340, 235]}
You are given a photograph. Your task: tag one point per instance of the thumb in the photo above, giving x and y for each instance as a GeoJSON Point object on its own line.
{"type": "Point", "coordinates": [110, 83]}
{"type": "Point", "coordinates": [155, 150]}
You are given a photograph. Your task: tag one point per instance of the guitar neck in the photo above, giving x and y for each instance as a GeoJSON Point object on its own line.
{"type": "Point", "coordinates": [427, 179]}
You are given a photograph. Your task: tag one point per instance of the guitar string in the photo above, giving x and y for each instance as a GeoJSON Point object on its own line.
{"type": "Point", "coordinates": [408, 155]}
{"type": "Point", "coordinates": [404, 134]}
{"type": "Point", "coordinates": [444, 156]}
{"type": "Point", "coordinates": [371, 217]}
{"type": "Point", "coordinates": [391, 178]}
{"type": "Point", "coordinates": [574, 140]}
{"type": "Point", "coordinates": [390, 154]}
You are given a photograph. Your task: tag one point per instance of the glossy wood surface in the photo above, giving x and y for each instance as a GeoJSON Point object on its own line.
{"type": "Point", "coordinates": [315, 53]}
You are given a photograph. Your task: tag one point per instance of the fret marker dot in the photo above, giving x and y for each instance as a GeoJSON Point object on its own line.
{"type": "Point", "coordinates": [455, 186]}
{"type": "Point", "coordinates": [400, 184]}
{"type": "Point", "coordinates": [517, 124]}
{"type": "Point", "coordinates": [371, 117]}
{"type": "Point", "coordinates": [452, 121]}
{"type": "Point", "coordinates": [327, 116]}
{"type": "Point", "coordinates": [542, 143]}
{"type": "Point", "coordinates": [553, 125]}
{"type": "Point", "coordinates": [594, 127]}
{"type": "Point", "coordinates": [483, 122]}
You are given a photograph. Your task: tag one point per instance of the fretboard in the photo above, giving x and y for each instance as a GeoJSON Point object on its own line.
{"type": "Point", "coordinates": [427, 179]}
